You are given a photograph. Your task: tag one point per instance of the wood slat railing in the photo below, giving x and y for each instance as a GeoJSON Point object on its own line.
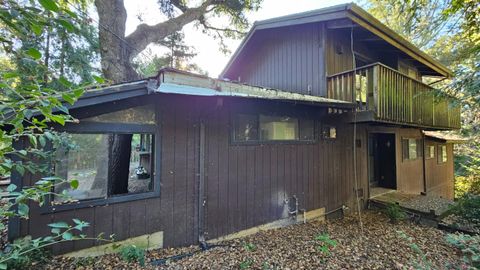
{"type": "Point", "coordinates": [394, 97]}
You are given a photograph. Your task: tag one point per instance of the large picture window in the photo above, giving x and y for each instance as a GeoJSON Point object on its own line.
{"type": "Point", "coordinates": [110, 155]}
{"type": "Point", "coordinates": [105, 164]}
{"type": "Point", "coordinates": [264, 128]}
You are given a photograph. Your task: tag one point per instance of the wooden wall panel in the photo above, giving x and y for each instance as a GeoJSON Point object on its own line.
{"type": "Point", "coordinates": [287, 58]}
{"type": "Point", "coordinates": [440, 176]}
{"type": "Point", "coordinates": [246, 185]}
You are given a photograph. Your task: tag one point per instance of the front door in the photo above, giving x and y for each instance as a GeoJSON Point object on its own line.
{"type": "Point", "coordinates": [382, 169]}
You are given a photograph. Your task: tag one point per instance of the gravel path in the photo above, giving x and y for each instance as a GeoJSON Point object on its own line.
{"type": "Point", "coordinates": [381, 246]}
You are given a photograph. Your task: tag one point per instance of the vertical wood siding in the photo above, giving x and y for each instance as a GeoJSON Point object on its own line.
{"type": "Point", "coordinates": [288, 58]}
{"type": "Point", "coordinates": [440, 176]}
{"type": "Point", "coordinates": [246, 185]}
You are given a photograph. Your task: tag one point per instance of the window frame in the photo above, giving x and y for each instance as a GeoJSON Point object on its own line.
{"type": "Point", "coordinates": [233, 129]}
{"type": "Point", "coordinates": [86, 127]}
{"type": "Point", "coordinates": [429, 146]}
{"type": "Point", "coordinates": [440, 153]}
{"type": "Point", "coordinates": [419, 148]}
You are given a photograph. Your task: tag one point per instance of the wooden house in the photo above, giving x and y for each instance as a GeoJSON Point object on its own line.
{"type": "Point", "coordinates": [314, 111]}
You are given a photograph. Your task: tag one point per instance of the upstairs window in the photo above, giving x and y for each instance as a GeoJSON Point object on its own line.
{"type": "Point", "coordinates": [429, 151]}
{"type": "Point", "coordinates": [442, 153]}
{"type": "Point", "coordinates": [264, 128]}
{"type": "Point", "coordinates": [411, 148]}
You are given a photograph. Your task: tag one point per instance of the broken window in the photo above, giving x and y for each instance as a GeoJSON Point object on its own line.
{"type": "Point", "coordinates": [262, 128]}
{"type": "Point", "coordinates": [411, 148]}
{"type": "Point", "coordinates": [442, 153]}
{"type": "Point", "coordinates": [104, 165]}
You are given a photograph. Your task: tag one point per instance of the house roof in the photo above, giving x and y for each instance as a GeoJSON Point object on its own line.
{"type": "Point", "coordinates": [446, 136]}
{"type": "Point", "coordinates": [173, 81]}
{"type": "Point", "coordinates": [344, 11]}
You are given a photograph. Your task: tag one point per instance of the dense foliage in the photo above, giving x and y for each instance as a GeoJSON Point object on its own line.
{"type": "Point", "coordinates": [40, 43]}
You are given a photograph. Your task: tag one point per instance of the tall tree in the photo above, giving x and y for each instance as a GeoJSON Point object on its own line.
{"type": "Point", "coordinates": [118, 50]}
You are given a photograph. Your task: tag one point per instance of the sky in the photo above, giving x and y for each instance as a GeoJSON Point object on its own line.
{"type": "Point", "coordinates": [209, 57]}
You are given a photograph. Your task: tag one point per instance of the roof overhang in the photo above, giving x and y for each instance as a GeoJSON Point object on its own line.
{"type": "Point", "coordinates": [358, 16]}
{"type": "Point", "coordinates": [173, 81]}
{"type": "Point", "coordinates": [447, 137]}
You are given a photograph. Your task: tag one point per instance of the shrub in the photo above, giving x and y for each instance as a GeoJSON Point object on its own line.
{"type": "Point", "coordinates": [468, 207]}
{"type": "Point", "coordinates": [249, 247]}
{"type": "Point", "coordinates": [246, 264]}
{"type": "Point", "coordinates": [133, 253]}
{"type": "Point", "coordinates": [326, 243]}
{"type": "Point", "coordinates": [469, 246]}
{"type": "Point", "coordinates": [394, 212]}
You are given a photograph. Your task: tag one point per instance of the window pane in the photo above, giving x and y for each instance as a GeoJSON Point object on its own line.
{"type": "Point", "coordinates": [105, 164]}
{"type": "Point", "coordinates": [140, 172]}
{"type": "Point", "coordinates": [278, 128]}
{"type": "Point", "coordinates": [83, 157]}
{"type": "Point", "coordinates": [141, 115]}
{"type": "Point", "coordinates": [307, 130]}
{"type": "Point", "coordinates": [246, 127]}
{"type": "Point", "coordinates": [329, 132]}
{"type": "Point", "coordinates": [444, 153]}
{"type": "Point", "coordinates": [412, 149]}
{"type": "Point", "coordinates": [430, 151]}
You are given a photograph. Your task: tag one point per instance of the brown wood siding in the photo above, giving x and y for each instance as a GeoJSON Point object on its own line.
{"type": "Point", "coordinates": [287, 58]}
{"type": "Point", "coordinates": [245, 185]}
{"type": "Point", "coordinates": [440, 176]}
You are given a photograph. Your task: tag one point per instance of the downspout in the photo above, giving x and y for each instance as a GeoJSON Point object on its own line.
{"type": "Point", "coordinates": [201, 189]}
{"type": "Point", "coordinates": [424, 164]}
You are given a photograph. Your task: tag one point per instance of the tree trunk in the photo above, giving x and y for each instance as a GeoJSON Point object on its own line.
{"type": "Point", "coordinates": [115, 53]}
{"type": "Point", "coordinates": [119, 163]}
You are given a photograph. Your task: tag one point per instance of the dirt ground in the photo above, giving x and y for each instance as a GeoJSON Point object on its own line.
{"type": "Point", "coordinates": [382, 245]}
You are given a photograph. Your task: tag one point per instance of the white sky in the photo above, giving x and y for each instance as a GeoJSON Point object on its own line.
{"type": "Point", "coordinates": [209, 57]}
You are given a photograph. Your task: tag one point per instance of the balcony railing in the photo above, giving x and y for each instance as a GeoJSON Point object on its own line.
{"type": "Point", "coordinates": [394, 97]}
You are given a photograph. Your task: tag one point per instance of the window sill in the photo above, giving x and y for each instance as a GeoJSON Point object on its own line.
{"type": "Point", "coordinates": [50, 209]}
{"type": "Point", "coordinates": [279, 142]}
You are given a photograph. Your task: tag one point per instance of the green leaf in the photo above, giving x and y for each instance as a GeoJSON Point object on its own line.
{"type": "Point", "coordinates": [68, 98]}
{"type": "Point", "coordinates": [74, 184]}
{"type": "Point", "coordinates": [37, 29]}
{"type": "Point", "coordinates": [20, 169]}
{"type": "Point", "coordinates": [68, 26]}
{"type": "Point", "coordinates": [34, 53]}
{"type": "Point", "coordinates": [3, 266]}
{"type": "Point", "coordinates": [23, 209]}
{"type": "Point", "coordinates": [9, 75]}
{"type": "Point", "coordinates": [11, 187]}
{"type": "Point", "coordinates": [49, 5]}
{"type": "Point", "coordinates": [61, 225]}
{"type": "Point", "coordinates": [58, 119]}
{"type": "Point", "coordinates": [98, 79]}
{"type": "Point", "coordinates": [67, 236]}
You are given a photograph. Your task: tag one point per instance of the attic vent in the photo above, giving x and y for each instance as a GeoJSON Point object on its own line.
{"type": "Point", "coordinates": [338, 48]}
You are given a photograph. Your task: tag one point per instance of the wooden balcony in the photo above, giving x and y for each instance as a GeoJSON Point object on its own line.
{"type": "Point", "coordinates": [383, 94]}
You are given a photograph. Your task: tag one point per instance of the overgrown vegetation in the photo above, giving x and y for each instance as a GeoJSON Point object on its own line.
{"type": "Point", "coordinates": [470, 248]}
{"type": "Point", "coordinates": [35, 86]}
{"type": "Point", "coordinates": [133, 253]}
{"type": "Point", "coordinates": [468, 208]}
{"type": "Point", "coordinates": [394, 212]}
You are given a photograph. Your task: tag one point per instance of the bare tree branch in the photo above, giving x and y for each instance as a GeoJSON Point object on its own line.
{"type": "Point", "coordinates": [146, 34]}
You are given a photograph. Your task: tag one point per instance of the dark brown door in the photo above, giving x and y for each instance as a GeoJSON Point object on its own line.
{"type": "Point", "coordinates": [382, 155]}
